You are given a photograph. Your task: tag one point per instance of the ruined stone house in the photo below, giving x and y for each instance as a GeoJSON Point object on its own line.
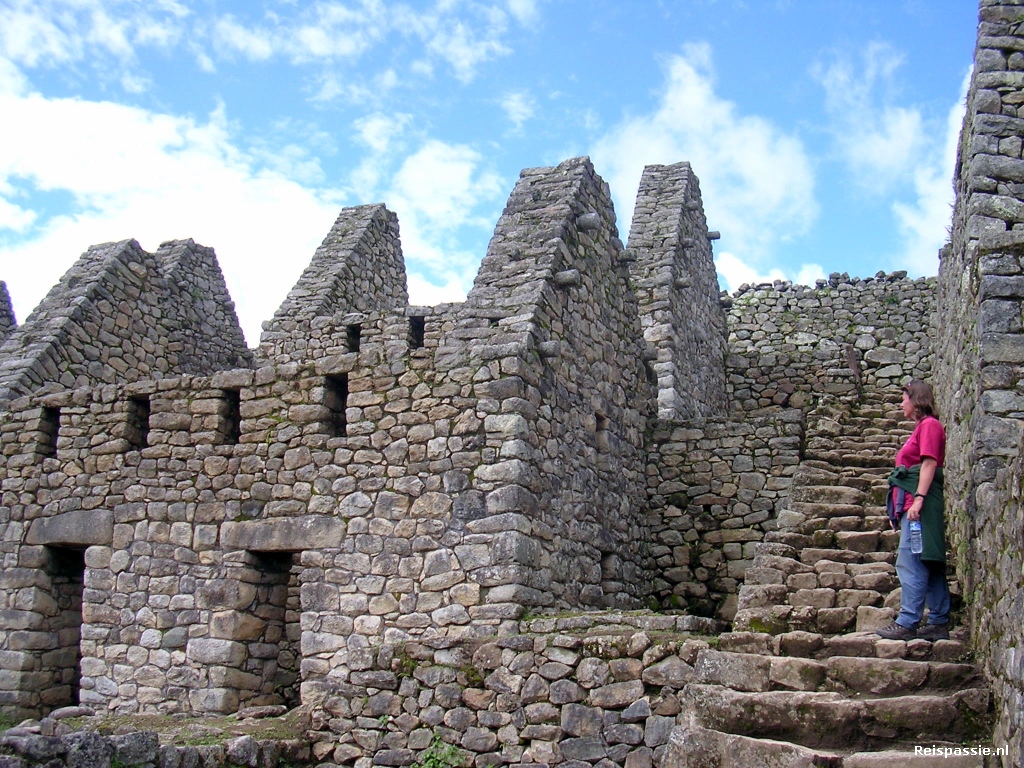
{"type": "Point", "coordinates": [190, 526]}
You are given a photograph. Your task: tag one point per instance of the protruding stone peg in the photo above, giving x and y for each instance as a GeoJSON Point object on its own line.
{"type": "Point", "coordinates": [682, 281]}
{"type": "Point", "coordinates": [714, 234]}
{"type": "Point", "coordinates": [692, 205]}
{"type": "Point", "coordinates": [567, 278]}
{"type": "Point", "coordinates": [549, 349]}
{"type": "Point", "coordinates": [589, 221]}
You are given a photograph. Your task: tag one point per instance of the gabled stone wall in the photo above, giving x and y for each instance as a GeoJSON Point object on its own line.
{"type": "Point", "coordinates": [122, 314]}
{"type": "Point", "coordinates": [573, 430]}
{"type": "Point", "coordinates": [357, 269]}
{"type": "Point", "coordinates": [203, 543]}
{"type": "Point", "coordinates": [673, 274]}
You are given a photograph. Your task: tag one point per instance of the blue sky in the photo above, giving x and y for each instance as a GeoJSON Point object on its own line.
{"type": "Point", "coordinates": [823, 131]}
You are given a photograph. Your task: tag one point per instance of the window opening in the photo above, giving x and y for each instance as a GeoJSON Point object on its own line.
{"type": "Point", "coordinates": [49, 429]}
{"type": "Point", "coordinates": [652, 376]}
{"type": "Point", "coordinates": [232, 427]}
{"type": "Point", "coordinates": [336, 401]}
{"type": "Point", "coordinates": [354, 332]}
{"type": "Point", "coordinates": [417, 331]}
{"type": "Point", "coordinates": [138, 422]}
{"type": "Point", "coordinates": [601, 428]}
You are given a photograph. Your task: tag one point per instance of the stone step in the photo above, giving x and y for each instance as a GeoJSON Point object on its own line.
{"type": "Point", "coordinates": [837, 459]}
{"type": "Point", "coordinates": [827, 494]}
{"type": "Point", "coordinates": [908, 758]}
{"type": "Point", "coordinates": [827, 719]}
{"type": "Point", "coordinates": [855, 523]}
{"type": "Point", "coordinates": [824, 509]}
{"type": "Point", "coordinates": [691, 746]}
{"type": "Point", "coordinates": [860, 644]}
{"type": "Point", "coordinates": [849, 675]}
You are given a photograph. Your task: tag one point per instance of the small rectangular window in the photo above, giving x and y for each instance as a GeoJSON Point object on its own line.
{"type": "Point", "coordinates": [353, 332]}
{"type": "Point", "coordinates": [336, 401]}
{"type": "Point", "coordinates": [49, 429]}
{"type": "Point", "coordinates": [417, 330]}
{"type": "Point", "coordinates": [601, 428]}
{"type": "Point", "coordinates": [138, 422]}
{"type": "Point", "coordinates": [232, 415]}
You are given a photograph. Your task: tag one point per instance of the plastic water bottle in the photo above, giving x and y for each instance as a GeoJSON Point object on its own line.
{"type": "Point", "coordinates": [916, 543]}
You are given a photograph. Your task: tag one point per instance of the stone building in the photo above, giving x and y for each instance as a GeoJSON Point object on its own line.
{"type": "Point", "coordinates": [384, 512]}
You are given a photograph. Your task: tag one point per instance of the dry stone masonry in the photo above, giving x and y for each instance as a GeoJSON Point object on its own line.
{"type": "Point", "coordinates": [980, 352]}
{"type": "Point", "coordinates": [599, 514]}
{"type": "Point", "coordinates": [7, 322]}
{"type": "Point", "coordinates": [122, 314]}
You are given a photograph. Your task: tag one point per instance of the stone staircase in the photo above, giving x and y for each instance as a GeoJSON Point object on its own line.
{"type": "Point", "coordinates": [830, 566]}
{"type": "Point", "coordinates": [802, 680]}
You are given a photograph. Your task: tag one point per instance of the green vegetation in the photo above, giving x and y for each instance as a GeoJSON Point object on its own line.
{"type": "Point", "coordinates": [474, 677]}
{"type": "Point", "coordinates": [440, 754]}
{"type": "Point", "coordinates": [403, 664]}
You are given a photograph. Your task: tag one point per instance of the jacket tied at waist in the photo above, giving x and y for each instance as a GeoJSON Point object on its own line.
{"type": "Point", "coordinates": [904, 480]}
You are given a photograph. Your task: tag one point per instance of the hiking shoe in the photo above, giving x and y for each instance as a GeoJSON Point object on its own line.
{"type": "Point", "coordinates": [896, 632]}
{"type": "Point", "coordinates": [933, 632]}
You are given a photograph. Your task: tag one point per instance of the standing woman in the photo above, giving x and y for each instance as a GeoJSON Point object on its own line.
{"type": "Point", "coordinates": [916, 495]}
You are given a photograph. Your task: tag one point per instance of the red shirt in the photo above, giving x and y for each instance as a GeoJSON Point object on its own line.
{"type": "Point", "coordinates": [928, 441]}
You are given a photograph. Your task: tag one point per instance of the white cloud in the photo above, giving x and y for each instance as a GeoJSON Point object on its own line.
{"type": "Point", "coordinates": [524, 11]}
{"type": "Point", "coordinates": [519, 106]}
{"type": "Point", "coordinates": [154, 177]}
{"type": "Point", "coordinates": [756, 181]}
{"type": "Point", "coordinates": [924, 224]}
{"type": "Point", "coordinates": [255, 45]}
{"type": "Point", "coordinates": [438, 192]}
{"type": "Point", "coordinates": [896, 151]}
{"type": "Point", "coordinates": [734, 272]}
{"type": "Point", "coordinates": [881, 142]}
{"type": "Point", "coordinates": [442, 184]}
{"type": "Point", "coordinates": [461, 46]}
{"type": "Point", "coordinates": [422, 292]}
{"type": "Point", "coordinates": [809, 273]}
{"type": "Point", "coordinates": [57, 32]}
{"type": "Point", "coordinates": [13, 216]}
{"type": "Point", "coordinates": [379, 133]}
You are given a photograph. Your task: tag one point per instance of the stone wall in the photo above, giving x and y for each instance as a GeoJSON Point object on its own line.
{"type": "Point", "coordinates": [59, 745]}
{"type": "Point", "coordinates": [715, 488]}
{"type": "Point", "coordinates": [788, 344]}
{"type": "Point", "coordinates": [591, 689]}
{"type": "Point", "coordinates": [7, 322]}
{"type": "Point", "coordinates": [674, 277]}
{"type": "Point", "coordinates": [122, 314]}
{"type": "Point", "coordinates": [357, 269]}
{"type": "Point", "coordinates": [980, 352]}
{"type": "Point", "coordinates": [203, 543]}
{"type": "Point", "coordinates": [573, 422]}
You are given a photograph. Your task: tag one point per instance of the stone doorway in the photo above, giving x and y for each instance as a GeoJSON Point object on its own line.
{"type": "Point", "coordinates": [62, 661]}
{"type": "Point", "coordinates": [279, 656]}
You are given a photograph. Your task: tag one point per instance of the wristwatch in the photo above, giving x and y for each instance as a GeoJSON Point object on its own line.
{"type": "Point", "coordinates": [919, 496]}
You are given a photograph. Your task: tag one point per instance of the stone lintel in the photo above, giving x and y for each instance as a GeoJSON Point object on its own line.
{"type": "Point", "coordinates": [80, 528]}
{"type": "Point", "coordinates": [283, 534]}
